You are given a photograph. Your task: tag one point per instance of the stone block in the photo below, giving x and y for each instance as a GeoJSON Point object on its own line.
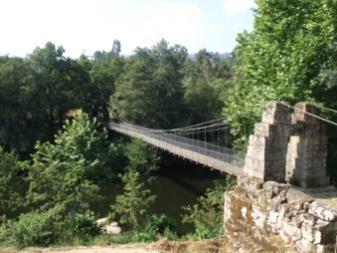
{"type": "Point", "coordinates": [276, 112]}
{"type": "Point", "coordinates": [304, 246]}
{"type": "Point", "coordinates": [323, 212]}
{"type": "Point", "coordinates": [273, 217]}
{"type": "Point", "coordinates": [251, 185]}
{"type": "Point", "coordinates": [227, 207]}
{"type": "Point", "coordinates": [259, 217]}
{"type": "Point", "coordinates": [298, 197]}
{"type": "Point", "coordinates": [275, 187]}
{"type": "Point", "coordinates": [263, 197]}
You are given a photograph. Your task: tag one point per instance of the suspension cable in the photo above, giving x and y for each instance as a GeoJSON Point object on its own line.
{"type": "Point", "coordinates": [327, 109]}
{"type": "Point", "coordinates": [310, 114]}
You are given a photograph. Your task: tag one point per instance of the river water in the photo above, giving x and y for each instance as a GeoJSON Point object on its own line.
{"type": "Point", "coordinates": [177, 183]}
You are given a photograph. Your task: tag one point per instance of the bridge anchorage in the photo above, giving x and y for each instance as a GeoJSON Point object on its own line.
{"type": "Point", "coordinates": [282, 201]}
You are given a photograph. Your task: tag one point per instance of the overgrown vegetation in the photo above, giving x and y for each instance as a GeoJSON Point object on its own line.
{"type": "Point", "coordinates": [207, 214]}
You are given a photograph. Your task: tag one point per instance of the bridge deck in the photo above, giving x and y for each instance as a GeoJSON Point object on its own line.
{"type": "Point", "coordinates": [214, 156]}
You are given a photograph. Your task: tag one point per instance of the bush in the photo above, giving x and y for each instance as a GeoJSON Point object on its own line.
{"type": "Point", "coordinates": [48, 228]}
{"type": "Point", "coordinates": [83, 226]}
{"type": "Point", "coordinates": [207, 214]}
{"type": "Point", "coordinates": [30, 229]}
{"type": "Point", "coordinates": [155, 227]}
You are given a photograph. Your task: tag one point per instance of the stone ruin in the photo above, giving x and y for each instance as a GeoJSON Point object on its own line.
{"type": "Point", "coordinates": [284, 203]}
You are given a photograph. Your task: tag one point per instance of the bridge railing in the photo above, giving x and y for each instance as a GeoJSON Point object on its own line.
{"type": "Point", "coordinates": [198, 146]}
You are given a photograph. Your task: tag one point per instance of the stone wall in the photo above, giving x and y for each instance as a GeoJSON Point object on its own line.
{"type": "Point", "coordinates": [276, 217]}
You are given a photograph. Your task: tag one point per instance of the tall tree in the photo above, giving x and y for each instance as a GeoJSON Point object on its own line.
{"type": "Point", "coordinates": [150, 92]}
{"type": "Point", "coordinates": [206, 80]}
{"type": "Point", "coordinates": [59, 83]}
{"type": "Point", "coordinates": [105, 71]}
{"type": "Point", "coordinates": [11, 196]}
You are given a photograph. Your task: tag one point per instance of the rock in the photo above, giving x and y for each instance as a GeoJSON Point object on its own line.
{"type": "Point", "coordinates": [304, 246]}
{"type": "Point", "coordinates": [102, 221]}
{"type": "Point", "coordinates": [263, 197]}
{"type": "Point", "coordinates": [113, 228]}
{"type": "Point", "coordinates": [292, 231]}
{"type": "Point", "coordinates": [323, 212]}
{"type": "Point", "coordinates": [275, 187]}
{"type": "Point", "coordinates": [298, 198]}
{"type": "Point", "coordinates": [259, 217]}
{"type": "Point", "coordinates": [109, 227]}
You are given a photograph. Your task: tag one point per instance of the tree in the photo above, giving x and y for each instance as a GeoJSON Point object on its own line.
{"type": "Point", "coordinates": [65, 172]}
{"type": "Point", "coordinates": [207, 214]}
{"type": "Point", "coordinates": [131, 208]}
{"type": "Point", "coordinates": [150, 92]}
{"type": "Point", "coordinates": [290, 55]}
{"type": "Point", "coordinates": [206, 80]}
{"type": "Point", "coordinates": [60, 83]}
{"type": "Point", "coordinates": [11, 198]}
{"type": "Point", "coordinates": [141, 157]}
{"type": "Point", "coordinates": [19, 127]}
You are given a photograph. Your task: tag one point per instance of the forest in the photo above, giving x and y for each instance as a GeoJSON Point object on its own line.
{"type": "Point", "coordinates": [55, 152]}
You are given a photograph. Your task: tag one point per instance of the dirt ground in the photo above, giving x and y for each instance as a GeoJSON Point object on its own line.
{"type": "Point", "coordinates": [93, 249]}
{"type": "Point", "coordinates": [162, 246]}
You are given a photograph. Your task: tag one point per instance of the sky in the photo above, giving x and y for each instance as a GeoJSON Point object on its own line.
{"type": "Point", "coordinates": [85, 26]}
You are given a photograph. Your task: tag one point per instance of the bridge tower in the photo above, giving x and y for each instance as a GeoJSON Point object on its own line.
{"type": "Point", "coordinates": [288, 147]}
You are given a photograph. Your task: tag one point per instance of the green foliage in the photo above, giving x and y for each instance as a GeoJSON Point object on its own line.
{"type": "Point", "coordinates": [150, 92]}
{"type": "Point", "coordinates": [11, 183]}
{"type": "Point", "coordinates": [141, 157]}
{"type": "Point", "coordinates": [35, 94]}
{"type": "Point", "coordinates": [156, 227]}
{"type": "Point", "coordinates": [131, 208]}
{"type": "Point", "coordinates": [48, 228]}
{"type": "Point", "coordinates": [83, 226]}
{"type": "Point", "coordinates": [205, 83]}
{"type": "Point", "coordinates": [207, 214]}
{"type": "Point", "coordinates": [290, 55]}
{"type": "Point", "coordinates": [63, 173]}
{"type": "Point", "coordinates": [30, 229]}
{"type": "Point", "coordinates": [104, 71]}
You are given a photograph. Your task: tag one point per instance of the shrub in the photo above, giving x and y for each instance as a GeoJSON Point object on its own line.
{"type": "Point", "coordinates": [83, 226]}
{"type": "Point", "coordinates": [207, 214]}
{"type": "Point", "coordinates": [155, 227]}
{"type": "Point", "coordinates": [30, 229]}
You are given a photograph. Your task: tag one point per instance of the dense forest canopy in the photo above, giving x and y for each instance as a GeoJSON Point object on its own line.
{"type": "Point", "coordinates": [157, 87]}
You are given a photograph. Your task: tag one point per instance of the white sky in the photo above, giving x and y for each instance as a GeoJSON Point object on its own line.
{"type": "Point", "coordinates": [84, 26]}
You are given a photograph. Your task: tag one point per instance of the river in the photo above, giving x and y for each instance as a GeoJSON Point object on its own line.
{"type": "Point", "coordinates": [177, 183]}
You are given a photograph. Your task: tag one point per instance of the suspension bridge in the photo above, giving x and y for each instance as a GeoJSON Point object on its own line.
{"type": "Point", "coordinates": [204, 143]}
{"type": "Point", "coordinates": [207, 143]}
